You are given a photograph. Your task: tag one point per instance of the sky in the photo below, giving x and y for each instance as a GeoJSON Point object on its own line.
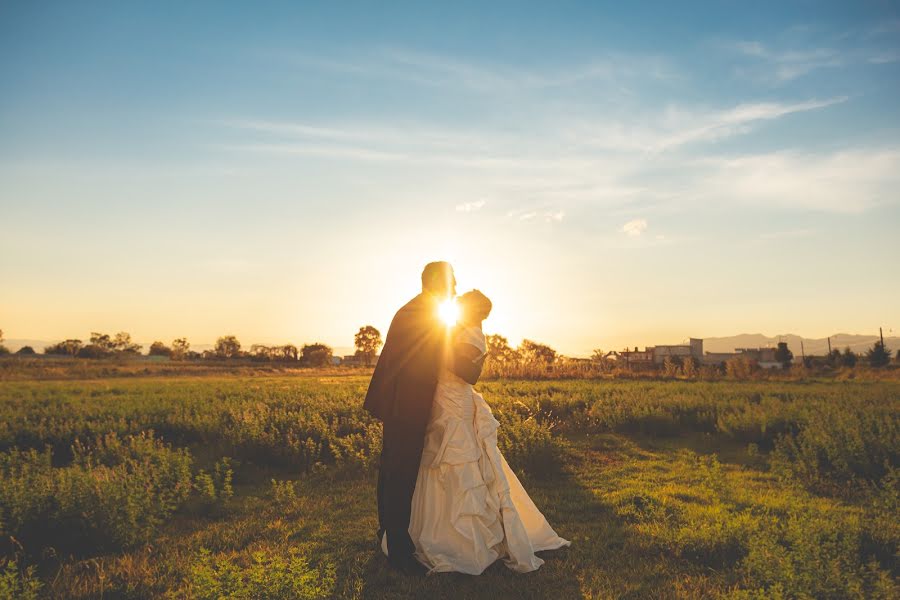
{"type": "Point", "coordinates": [608, 173]}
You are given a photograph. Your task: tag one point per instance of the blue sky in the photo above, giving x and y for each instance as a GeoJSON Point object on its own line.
{"type": "Point", "coordinates": [609, 174]}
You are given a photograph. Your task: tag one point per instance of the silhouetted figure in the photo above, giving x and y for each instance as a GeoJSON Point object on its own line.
{"type": "Point", "coordinates": [400, 394]}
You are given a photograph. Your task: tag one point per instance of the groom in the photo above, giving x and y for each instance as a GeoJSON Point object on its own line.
{"type": "Point", "coordinates": [400, 395]}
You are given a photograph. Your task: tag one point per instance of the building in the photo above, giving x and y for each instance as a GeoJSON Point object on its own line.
{"type": "Point", "coordinates": [635, 358]}
{"type": "Point", "coordinates": [653, 356]}
{"type": "Point", "coordinates": [694, 349]}
{"type": "Point", "coordinates": [764, 357]}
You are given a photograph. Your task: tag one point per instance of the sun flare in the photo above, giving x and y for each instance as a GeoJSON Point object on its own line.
{"type": "Point", "coordinates": [449, 312]}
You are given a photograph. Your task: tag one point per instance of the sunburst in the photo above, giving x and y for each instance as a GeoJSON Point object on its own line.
{"type": "Point", "coordinates": [449, 312]}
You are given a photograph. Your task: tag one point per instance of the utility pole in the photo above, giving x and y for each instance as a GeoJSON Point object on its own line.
{"type": "Point", "coordinates": [881, 335]}
{"type": "Point", "coordinates": [802, 352]}
{"type": "Point", "coordinates": [829, 345]}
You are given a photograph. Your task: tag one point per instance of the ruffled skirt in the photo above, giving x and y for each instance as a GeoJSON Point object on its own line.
{"type": "Point", "coordinates": [469, 508]}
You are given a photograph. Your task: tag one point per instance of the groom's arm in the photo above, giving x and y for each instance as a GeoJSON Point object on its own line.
{"type": "Point", "coordinates": [467, 362]}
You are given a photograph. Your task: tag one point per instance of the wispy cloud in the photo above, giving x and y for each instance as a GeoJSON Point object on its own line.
{"type": "Point", "coordinates": [842, 182]}
{"type": "Point", "coordinates": [549, 216]}
{"type": "Point", "coordinates": [786, 65]}
{"type": "Point", "coordinates": [635, 227]}
{"type": "Point", "coordinates": [433, 70]}
{"type": "Point", "coordinates": [686, 127]}
{"type": "Point", "coordinates": [672, 129]}
{"type": "Point", "coordinates": [787, 234]}
{"type": "Point", "coordinates": [470, 206]}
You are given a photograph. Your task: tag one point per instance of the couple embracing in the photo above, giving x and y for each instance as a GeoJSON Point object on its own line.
{"type": "Point", "coordinates": [447, 499]}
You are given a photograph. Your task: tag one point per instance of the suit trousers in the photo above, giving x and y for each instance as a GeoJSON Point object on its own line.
{"type": "Point", "coordinates": [401, 453]}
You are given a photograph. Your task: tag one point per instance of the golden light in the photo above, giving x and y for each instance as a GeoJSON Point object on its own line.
{"type": "Point", "coordinates": [449, 312]}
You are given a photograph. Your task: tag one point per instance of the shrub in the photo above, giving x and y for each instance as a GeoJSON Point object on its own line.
{"type": "Point", "coordinates": [528, 444]}
{"type": "Point", "coordinates": [16, 585]}
{"type": "Point", "coordinates": [283, 492]}
{"type": "Point", "coordinates": [268, 575]}
{"type": "Point", "coordinates": [116, 493]}
{"type": "Point", "coordinates": [810, 554]}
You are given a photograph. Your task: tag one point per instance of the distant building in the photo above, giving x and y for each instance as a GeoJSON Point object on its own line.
{"type": "Point", "coordinates": [635, 358]}
{"type": "Point", "coordinates": [764, 357]}
{"type": "Point", "coordinates": [694, 349]}
{"type": "Point", "coordinates": [652, 356]}
{"type": "Point", "coordinates": [352, 360]}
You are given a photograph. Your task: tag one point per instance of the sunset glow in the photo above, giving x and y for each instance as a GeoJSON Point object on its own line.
{"type": "Point", "coordinates": [449, 311]}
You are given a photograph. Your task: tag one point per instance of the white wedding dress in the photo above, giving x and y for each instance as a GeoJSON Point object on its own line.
{"type": "Point", "coordinates": [469, 508]}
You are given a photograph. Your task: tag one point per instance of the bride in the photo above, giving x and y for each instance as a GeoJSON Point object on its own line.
{"type": "Point", "coordinates": [469, 508]}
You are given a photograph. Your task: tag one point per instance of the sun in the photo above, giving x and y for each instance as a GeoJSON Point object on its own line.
{"type": "Point", "coordinates": [449, 312]}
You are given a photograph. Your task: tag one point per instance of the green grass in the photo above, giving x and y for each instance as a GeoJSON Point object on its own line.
{"type": "Point", "coordinates": [666, 489]}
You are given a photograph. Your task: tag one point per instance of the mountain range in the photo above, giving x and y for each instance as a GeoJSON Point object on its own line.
{"type": "Point", "coordinates": [811, 346]}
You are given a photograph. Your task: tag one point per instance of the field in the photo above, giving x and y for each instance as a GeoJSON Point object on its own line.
{"type": "Point", "coordinates": [262, 486]}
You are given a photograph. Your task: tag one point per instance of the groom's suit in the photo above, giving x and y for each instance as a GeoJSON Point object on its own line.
{"type": "Point", "coordinates": [400, 394]}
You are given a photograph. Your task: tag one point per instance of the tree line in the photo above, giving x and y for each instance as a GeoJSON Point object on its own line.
{"type": "Point", "coordinates": [367, 342]}
{"type": "Point", "coordinates": [102, 345]}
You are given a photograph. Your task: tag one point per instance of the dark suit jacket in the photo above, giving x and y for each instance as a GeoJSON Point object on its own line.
{"type": "Point", "coordinates": [403, 384]}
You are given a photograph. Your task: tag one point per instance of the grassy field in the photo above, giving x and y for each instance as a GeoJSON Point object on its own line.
{"type": "Point", "coordinates": [263, 487]}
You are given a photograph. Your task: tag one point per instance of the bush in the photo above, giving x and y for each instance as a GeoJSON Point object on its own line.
{"type": "Point", "coordinates": [528, 444]}
{"type": "Point", "coordinates": [268, 575]}
{"type": "Point", "coordinates": [115, 494]}
{"type": "Point", "coordinates": [16, 585]}
{"type": "Point", "coordinates": [840, 449]}
{"type": "Point", "coordinates": [813, 555]}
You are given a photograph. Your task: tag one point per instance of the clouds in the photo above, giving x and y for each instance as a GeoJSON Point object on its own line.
{"type": "Point", "coordinates": [801, 51]}
{"type": "Point", "coordinates": [470, 206]}
{"type": "Point", "coordinates": [844, 182]}
{"type": "Point", "coordinates": [669, 161]}
{"type": "Point", "coordinates": [539, 163]}
{"type": "Point", "coordinates": [426, 69]}
{"type": "Point", "coordinates": [635, 227]}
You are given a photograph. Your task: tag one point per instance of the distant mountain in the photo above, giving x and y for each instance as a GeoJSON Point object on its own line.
{"type": "Point", "coordinates": [857, 343]}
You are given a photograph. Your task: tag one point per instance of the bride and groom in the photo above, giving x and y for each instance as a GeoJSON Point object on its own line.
{"type": "Point", "coordinates": [447, 499]}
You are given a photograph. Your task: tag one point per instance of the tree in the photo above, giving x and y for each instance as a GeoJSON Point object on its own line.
{"type": "Point", "coordinates": [499, 351]}
{"type": "Point", "coordinates": [834, 357]}
{"type": "Point", "coordinates": [122, 343]}
{"type": "Point", "coordinates": [3, 349]}
{"type": "Point", "coordinates": [260, 352]}
{"type": "Point", "coordinates": [315, 355]}
{"type": "Point", "coordinates": [848, 358]}
{"type": "Point", "coordinates": [289, 352]}
{"type": "Point", "coordinates": [25, 350]}
{"type": "Point", "coordinates": [159, 349]}
{"type": "Point", "coordinates": [784, 355]}
{"type": "Point", "coordinates": [535, 352]}
{"type": "Point", "coordinates": [878, 355]}
{"type": "Point", "coordinates": [671, 366]}
{"type": "Point", "coordinates": [180, 348]}
{"type": "Point", "coordinates": [690, 367]}
{"type": "Point", "coordinates": [601, 360]}
{"type": "Point", "coordinates": [93, 351]}
{"type": "Point", "coordinates": [227, 347]}
{"type": "Point", "coordinates": [367, 341]}
{"type": "Point", "coordinates": [66, 348]}
{"type": "Point", "coordinates": [102, 340]}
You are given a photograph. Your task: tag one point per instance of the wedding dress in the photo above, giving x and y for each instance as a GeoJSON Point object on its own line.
{"type": "Point", "coordinates": [469, 508]}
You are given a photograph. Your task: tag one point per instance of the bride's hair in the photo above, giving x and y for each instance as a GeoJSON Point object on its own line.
{"type": "Point", "coordinates": [474, 306]}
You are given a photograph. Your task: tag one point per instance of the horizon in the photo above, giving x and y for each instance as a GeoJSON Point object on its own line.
{"type": "Point", "coordinates": [607, 179]}
{"type": "Point", "coordinates": [18, 342]}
